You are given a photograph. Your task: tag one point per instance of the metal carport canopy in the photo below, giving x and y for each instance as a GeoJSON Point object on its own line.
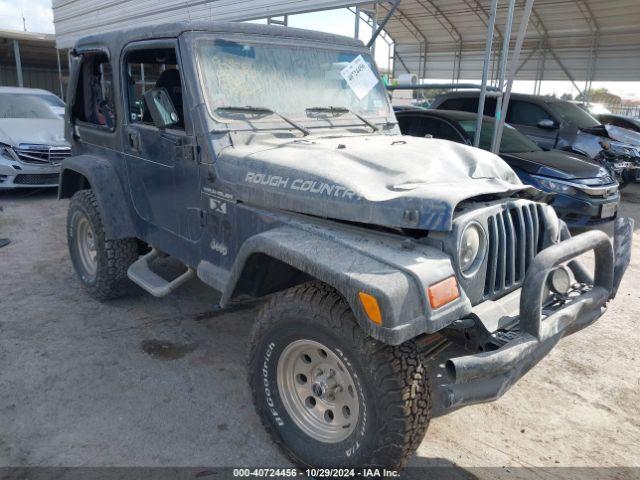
{"type": "Point", "coordinates": [439, 39]}
{"type": "Point", "coordinates": [577, 39]}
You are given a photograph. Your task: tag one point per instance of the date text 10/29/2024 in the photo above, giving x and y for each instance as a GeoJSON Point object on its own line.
{"type": "Point", "coordinates": [277, 473]}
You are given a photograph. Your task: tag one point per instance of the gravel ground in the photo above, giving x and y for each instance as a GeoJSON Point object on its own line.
{"type": "Point", "coordinates": [160, 382]}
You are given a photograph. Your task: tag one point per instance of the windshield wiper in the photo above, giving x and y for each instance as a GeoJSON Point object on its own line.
{"type": "Point", "coordinates": [342, 110]}
{"type": "Point", "coordinates": [264, 111]}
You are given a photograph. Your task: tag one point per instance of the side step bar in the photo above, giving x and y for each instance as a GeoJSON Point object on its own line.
{"type": "Point", "coordinates": [141, 274]}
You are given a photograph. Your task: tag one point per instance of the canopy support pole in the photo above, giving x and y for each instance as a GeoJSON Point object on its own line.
{"type": "Point", "coordinates": [16, 53]}
{"type": "Point", "coordinates": [381, 25]}
{"type": "Point", "coordinates": [502, 70]}
{"type": "Point", "coordinates": [524, 23]}
{"type": "Point", "coordinates": [60, 74]}
{"type": "Point", "coordinates": [485, 70]}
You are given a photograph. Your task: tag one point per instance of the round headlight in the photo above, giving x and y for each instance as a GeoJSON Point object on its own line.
{"type": "Point", "coordinates": [473, 244]}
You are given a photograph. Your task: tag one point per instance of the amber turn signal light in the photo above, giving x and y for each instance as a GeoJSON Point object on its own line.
{"type": "Point", "coordinates": [443, 292]}
{"type": "Point", "coordinates": [371, 307]}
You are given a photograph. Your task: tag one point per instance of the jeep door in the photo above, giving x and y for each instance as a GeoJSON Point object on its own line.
{"type": "Point", "coordinates": [164, 175]}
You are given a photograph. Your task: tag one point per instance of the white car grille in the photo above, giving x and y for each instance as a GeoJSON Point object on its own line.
{"type": "Point", "coordinates": [42, 154]}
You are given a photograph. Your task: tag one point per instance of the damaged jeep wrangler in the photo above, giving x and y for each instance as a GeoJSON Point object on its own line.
{"type": "Point", "coordinates": [403, 277]}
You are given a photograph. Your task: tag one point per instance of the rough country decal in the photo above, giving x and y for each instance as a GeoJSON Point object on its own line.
{"type": "Point", "coordinates": [301, 185]}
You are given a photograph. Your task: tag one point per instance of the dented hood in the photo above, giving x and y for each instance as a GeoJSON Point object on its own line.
{"type": "Point", "coordinates": [623, 135]}
{"type": "Point", "coordinates": [387, 180]}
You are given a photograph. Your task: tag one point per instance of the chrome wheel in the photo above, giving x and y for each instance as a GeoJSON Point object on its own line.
{"type": "Point", "coordinates": [86, 245]}
{"type": "Point", "coordinates": [318, 391]}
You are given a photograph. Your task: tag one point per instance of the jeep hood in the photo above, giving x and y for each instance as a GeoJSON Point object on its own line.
{"type": "Point", "coordinates": [386, 180]}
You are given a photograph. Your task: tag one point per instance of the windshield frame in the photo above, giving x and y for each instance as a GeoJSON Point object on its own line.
{"type": "Point", "coordinates": [266, 122]}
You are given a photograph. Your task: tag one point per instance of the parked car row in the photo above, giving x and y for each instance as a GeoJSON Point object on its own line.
{"type": "Point", "coordinates": [32, 143]}
{"type": "Point", "coordinates": [562, 125]}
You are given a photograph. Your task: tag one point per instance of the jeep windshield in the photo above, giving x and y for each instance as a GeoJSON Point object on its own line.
{"type": "Point", "coordinates": [305, 84]}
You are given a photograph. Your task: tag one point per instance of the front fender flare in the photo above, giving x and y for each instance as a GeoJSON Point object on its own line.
{"type": "Point", "coordinates": [350, 271]}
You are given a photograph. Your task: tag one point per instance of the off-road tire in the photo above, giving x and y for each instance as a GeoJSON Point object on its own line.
{"type": "Point", "coordinates": [113, 256]}
{"type": "Point", "coordinates": [391, 381]}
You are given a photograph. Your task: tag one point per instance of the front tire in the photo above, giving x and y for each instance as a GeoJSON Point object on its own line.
{"type": "Point", "coordinates": [329, 395]}
{"type": "Point", "coordinates": [101, 264]}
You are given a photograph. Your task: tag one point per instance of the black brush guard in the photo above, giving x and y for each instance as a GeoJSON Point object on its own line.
{"type": "Point", "coordinates": [486, 376]}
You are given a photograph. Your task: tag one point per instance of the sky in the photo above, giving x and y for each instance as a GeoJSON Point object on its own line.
{"type": "Point", "coordinates": [39, 18]}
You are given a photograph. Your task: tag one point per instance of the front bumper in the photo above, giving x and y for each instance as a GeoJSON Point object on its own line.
{"type": "Point", "coordinates": [583, 211]}
{"type": "Point", "coordinates": [15, 174]}
{"type": "Point", "coordinates": [535, 330]}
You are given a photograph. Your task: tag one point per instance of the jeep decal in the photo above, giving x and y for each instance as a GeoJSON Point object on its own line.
{"type": "Point", "coordinates": [302, 185]}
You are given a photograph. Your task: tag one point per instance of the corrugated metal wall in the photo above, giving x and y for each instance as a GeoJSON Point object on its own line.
{"type": "Point", "coordinates": [586, 36]}
{"type": "Point", "coordinates": [32, 77]}
{"type": "Point", "coordinates": [583, 37]}
{"type": "Point", "coordinates": [75, 18]}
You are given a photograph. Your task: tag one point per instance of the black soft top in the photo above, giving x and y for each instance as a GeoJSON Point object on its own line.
{"type": "Point", "coordinates": [115, 40]}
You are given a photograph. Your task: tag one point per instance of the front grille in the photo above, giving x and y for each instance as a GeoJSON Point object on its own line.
{"type": "Point", "coordinates": [516, 235]}
{"type": "Point", "coordinates": [35, 179]}
{"type": "Point", "coordinates": [40, 154]}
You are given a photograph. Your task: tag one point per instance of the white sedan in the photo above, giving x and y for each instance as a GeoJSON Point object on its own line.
{"type": "Point", "coordinates": [32, 143]}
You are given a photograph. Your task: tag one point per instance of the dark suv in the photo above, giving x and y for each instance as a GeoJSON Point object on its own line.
{"type": "Point", "coordinates": [552, 124]}
{"type": "Point", "coordinates": [269, 162]}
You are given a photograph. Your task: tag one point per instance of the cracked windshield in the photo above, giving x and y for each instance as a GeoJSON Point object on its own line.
{"type": "Point", "coordinates": [297, 82]}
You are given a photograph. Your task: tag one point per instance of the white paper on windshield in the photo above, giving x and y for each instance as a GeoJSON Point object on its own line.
{"type": "Point", "coordinates": [359, 77]}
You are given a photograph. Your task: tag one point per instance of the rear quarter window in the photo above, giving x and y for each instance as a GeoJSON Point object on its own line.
{"type": "Point", "coordinates": [469, 104]}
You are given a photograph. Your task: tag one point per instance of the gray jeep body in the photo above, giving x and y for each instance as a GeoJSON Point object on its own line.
{"type": "Point", "coordinates": [258, 211]}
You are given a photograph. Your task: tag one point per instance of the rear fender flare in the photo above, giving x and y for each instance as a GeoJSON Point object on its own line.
{"type": "Point", "coordinates": [89, 171]}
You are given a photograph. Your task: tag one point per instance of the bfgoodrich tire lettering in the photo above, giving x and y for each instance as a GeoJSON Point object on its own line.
{"type": "Point", "coordinates": [106, 278]}
{"type": "Point", "coordinates": [390, 382]}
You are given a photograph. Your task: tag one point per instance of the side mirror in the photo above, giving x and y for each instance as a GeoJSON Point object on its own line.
{"type": "Point", "coordinates": [161, 108]}
{"type": "Point", "coordinates": [547, 124]}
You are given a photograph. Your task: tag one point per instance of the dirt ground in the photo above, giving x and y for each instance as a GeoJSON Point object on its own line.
{"type": "Point", "coordinates": [160, 382]}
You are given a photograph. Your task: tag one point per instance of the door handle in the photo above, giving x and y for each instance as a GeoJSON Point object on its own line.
{"type": "Point", "coordinates": [177, 141]}
{"type": "Point", "coordinates": [134, 141]}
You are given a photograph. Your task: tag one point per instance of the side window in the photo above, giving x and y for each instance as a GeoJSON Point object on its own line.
{"type": "Point", "coordinates": [454, 104]}
{"type": "Point", "coordinates": [525, 113]}
{"type": "Point", "coordinates": [417, 126]}
{"type": "Point", "coordinates": [470, 104]}
{"type": "Point", "coordinates": [148, 69]}
{"type": "Point", "coordinates": [489, 106]}
{"type": "Point", "coordinates": [94, 102]}
{"type": "Point", "coordinates": [447, 132]}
